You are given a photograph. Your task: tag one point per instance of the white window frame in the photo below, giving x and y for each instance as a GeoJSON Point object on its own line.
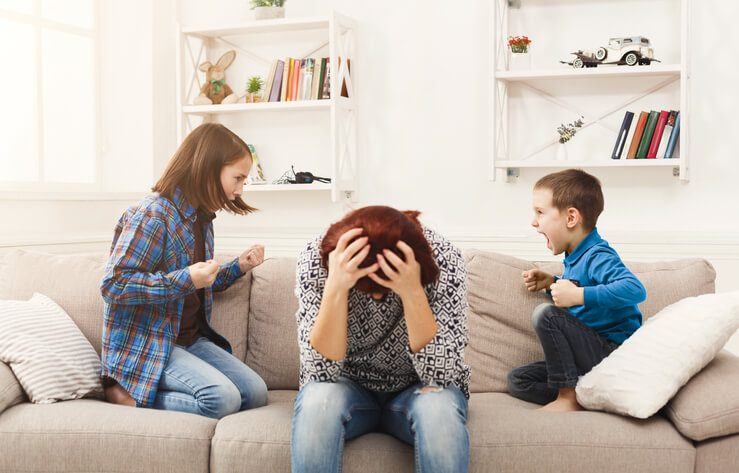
{"type": "Point", "coordinates": [28, 189]}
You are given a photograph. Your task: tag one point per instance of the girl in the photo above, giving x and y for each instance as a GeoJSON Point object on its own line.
{"type": "Point", "coordinates": [158, 349]}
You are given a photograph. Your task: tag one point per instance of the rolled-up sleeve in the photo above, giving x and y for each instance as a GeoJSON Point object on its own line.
{"type": "Point", "coordinates": [310, 280]}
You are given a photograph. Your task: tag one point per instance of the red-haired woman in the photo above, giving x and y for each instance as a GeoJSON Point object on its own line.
{"type": "Point", "coordinates": [382, 328]}
{"type": "Point", "coordinates": [158, 349]}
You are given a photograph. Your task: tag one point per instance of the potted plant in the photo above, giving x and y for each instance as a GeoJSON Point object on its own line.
{"type": "Point", "coordinates": [519, 57]}
{"type": "Point", "coordinates": [268, 9]}
{"type": "Point", "coordinates": [253, 86]}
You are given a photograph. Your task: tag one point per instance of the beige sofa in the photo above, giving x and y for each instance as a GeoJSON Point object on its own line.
{"type": "Point", "coordinates": [257, 315]}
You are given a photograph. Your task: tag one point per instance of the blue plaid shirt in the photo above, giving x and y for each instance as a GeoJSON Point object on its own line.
{"type": "Point", "coordinates": [144, 288]}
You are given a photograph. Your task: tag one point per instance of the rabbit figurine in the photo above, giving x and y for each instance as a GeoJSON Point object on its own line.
{"type": "Point", "coordinates": [215, 90]}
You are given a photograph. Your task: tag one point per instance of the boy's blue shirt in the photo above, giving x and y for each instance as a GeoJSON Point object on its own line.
{"type": "Point", "coordinates": [611, 291]}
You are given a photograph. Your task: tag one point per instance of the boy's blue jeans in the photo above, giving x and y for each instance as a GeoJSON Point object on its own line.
{"type": "Point", "coordinates": [431, 419]}
{"type": "Point", "coordinates": [571, 349]}
{"type": "Point", "coordinates": [205, 379]}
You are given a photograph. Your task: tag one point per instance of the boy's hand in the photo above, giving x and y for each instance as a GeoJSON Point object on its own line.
{"type": "Point", "coordinates": [203, 274]}
{"type": "Point", "coordinates": [344, 261]}
{"type": "Point", "coordinates": [536, 279]}
{"type": "Point", "coordinates": [566, 294]}
{"type": "Point", "coordinates": [251, 258]}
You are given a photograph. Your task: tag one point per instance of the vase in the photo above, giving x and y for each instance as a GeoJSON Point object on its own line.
{"type": "Point", "coordinates": [561, 152]}
{"type": "Point", "coordinates": [269, 13]}
{"type": "Point", "coordinates": [519, 61]}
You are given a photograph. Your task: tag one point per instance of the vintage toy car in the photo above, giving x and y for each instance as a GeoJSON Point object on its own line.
{"type": "Point", "coordinates": [630, 50]}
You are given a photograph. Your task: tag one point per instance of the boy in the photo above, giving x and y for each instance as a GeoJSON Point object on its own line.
{"type": "Point", "coordinates": [595, 300]}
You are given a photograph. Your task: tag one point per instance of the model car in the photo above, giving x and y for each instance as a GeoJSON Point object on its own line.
{"type": "Point", "coordinates": [631, 50]}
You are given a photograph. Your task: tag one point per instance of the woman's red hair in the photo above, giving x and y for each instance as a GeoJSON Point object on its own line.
{"type": "Point", "coordinates": [384, 227]}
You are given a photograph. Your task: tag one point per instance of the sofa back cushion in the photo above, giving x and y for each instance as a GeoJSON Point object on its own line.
{"type": "Point", "coordinates": [273, 332]}
{"type": "Point", "coordinates": [73, 282]}
{"type": "Point", "coordinates": [499, 318]}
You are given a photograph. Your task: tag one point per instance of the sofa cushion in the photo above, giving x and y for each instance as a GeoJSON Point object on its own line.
{"type": "Point", "coordinates": [72, 281]}
{"type": "Point", "coordinates": [505, 435]}
{"type": "Point", "coordinates": [499, 318]}
{"type": "Point", "coordinates": [48, 354]}
{"type": "Point", "coordinates": [273, 334]}
{"type": "Point", "coordinates": [640, 376]}
{"type": "Point", "coordinates": [719, 455]}
{"type": "Point", "coordinates": [708, 406]}
{"type": "Point", "coordinates": [11, 392]}
{"type": "Point", "coordinates": [93, 436]}
{"type": "Point", "coordinates": [230, 315]}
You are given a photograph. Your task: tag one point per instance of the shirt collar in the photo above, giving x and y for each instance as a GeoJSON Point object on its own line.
{"type": "Point", "coordinates": [592, 239]}
{"type": "Point", "coordinates": [184, 207]}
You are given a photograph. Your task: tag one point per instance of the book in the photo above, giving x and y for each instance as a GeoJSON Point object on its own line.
{"type": "Point", "coordinates": [673, 143]}
{"type": "Point", "coordinates": [256, 175]}
{"type": "Point", "coordinates": [637, 135]}
{"type": "Point", "coordinates": [669, 125]}
{"type": "Point", "coordinates": [307, 81]}
{"type": "Point", "coordinates": [296, 79]}
{"type": "Point", "coordinates": [657, 137]}
{"type": "Point", "coordinates": [269, 81]}
{"type": "Point", "coordinates": [621, 138]}
{"type": "Point", "coordinates": [274, 95]}
{"type": "Point", "coordinates": [324, 61]}
{"type": "Point", "coordinates": [629, 136]}
{"type": "Point", "coordinates": [326, 90]}
{"type": "Point", "coordinates": [316, 78]}
{"type": "Point", "coordinates": [286, 78]}
{"type": "Point", "coordinates": [646, 137]}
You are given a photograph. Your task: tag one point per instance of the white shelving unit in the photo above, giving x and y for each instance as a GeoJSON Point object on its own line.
{"type": "Point", "coordinates": [562, 86]}
{"type": "Point", "coordinates": [257, 44]}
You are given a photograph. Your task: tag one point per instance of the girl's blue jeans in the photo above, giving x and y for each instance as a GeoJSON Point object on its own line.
{"type": "Point", "coordinates": [205, 379]}
{"type": "Point", "coordinates": [431, 419]}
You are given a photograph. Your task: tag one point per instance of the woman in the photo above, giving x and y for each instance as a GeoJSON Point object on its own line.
{"type": "Point", "coordinates": [382, 330]}
{"type": "Point", "coordinates": [158, 349]}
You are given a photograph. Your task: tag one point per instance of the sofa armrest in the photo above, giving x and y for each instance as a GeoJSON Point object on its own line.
{"type": "Point", "coordinates": [11, 392]}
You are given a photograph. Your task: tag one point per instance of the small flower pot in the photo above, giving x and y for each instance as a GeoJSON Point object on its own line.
{"type": "Point", "coordinates": [519, 61]}
{"type": "Point", "coordinates": [269, 13]}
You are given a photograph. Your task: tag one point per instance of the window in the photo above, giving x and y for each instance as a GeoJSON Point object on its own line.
{"type": "Point", "coordinates": [50, 111]}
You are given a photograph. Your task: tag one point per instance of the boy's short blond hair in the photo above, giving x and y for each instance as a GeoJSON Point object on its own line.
{"type": "Point", "coordinates": [578, 189]}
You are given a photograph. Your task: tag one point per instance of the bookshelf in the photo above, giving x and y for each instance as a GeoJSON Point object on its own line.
{"type": "Point", "coordinates": [318, 136]}
{"type": "Point", "coordinates": [526, 106]}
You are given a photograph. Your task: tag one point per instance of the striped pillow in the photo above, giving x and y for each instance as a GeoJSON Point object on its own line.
{"type": "Point", "coordinates": [51, 358]}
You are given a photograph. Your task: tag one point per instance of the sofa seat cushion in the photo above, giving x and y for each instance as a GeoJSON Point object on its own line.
{"type": "Point", "coordinates": [718, 455]}
{"type": "Point", "coordinates": [505, 435]}
{"type": "Point", "coordinates": [93, 436]}
{"type": "Point", "coordinates": [508, 434]}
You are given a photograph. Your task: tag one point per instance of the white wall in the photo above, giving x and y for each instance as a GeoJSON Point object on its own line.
{"type": "Point", "coordinates": [422, 71]}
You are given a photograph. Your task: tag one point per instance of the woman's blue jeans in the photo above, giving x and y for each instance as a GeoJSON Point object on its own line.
{"type": "Point", "coordinates": [431, 419]}
{"type": "Point", "coordinates": [205, 379]}
{"type": "Point", "coordinates": [571, 349]}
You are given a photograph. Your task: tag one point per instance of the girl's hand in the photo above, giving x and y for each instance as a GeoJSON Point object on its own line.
{"type": "Point", "coordinates": [403, 277]}
{"type": "Point", "coordinates": [251, 258]}
{"type": "Point", "coordinates": [203, 274]}
{"type": "Point", "coordinates": [344, 261]}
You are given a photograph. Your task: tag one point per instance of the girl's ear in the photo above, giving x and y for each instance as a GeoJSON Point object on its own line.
{"type": "Point", "coordinates": [573, 217]}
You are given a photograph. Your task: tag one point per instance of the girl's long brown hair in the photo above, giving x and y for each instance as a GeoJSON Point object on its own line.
{"type": "Point", "coordinates": [196, 169]}
{"type": "Point", "coordinates": [384, 226]}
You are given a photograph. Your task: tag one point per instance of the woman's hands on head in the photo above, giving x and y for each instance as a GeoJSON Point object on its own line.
{"type": "Point", "coordinates": [344, 261]}
{"type": "Point", "coordinates": [403, 277]}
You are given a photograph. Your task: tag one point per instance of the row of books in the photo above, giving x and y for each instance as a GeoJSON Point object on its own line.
{"type": "Point", "coordinates": [292, 79]}
{"type": "Point", "coordinates": [651, 135]}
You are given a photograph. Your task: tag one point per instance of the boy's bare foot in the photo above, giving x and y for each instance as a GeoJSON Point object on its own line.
{"type": "Point", "coordinates": [117, 395]}
{"type": "Point", "coordinates": [566, 401]}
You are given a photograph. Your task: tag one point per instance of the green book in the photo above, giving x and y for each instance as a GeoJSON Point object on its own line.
{"type": "Point", "coordinates": [646, 137]}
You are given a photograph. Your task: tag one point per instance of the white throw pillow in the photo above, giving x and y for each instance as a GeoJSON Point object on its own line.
{"type": "Point", "coordinates": [48, 354]}
{"type": "Point", "coordinates": [646, 371]}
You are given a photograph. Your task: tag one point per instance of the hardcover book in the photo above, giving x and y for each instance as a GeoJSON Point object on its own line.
{"type": "Point", "coordinates": [672, 144]}
{"type": "Point", "coordinates": [622, 134]}
{"type": "Point", "coordinates": [256, 175]}
{"type": "Point", "coordinates": [646, 137]}
{"type": "Point", "coordinates": [274, 95]}
{"type": "Point", "coordinates": [658, 129]}
{"type": "Point", "coordinates": [637, 135]}
{"type": "Point", "coordinates": [669, 125]}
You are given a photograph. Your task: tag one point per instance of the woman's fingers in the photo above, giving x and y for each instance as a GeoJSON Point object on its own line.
{"type": "Point", "coordinates": [346, 238]}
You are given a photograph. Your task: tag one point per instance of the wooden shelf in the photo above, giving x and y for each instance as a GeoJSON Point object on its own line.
{"type": "Point", "coordinates": [588, 163]}
{"type": "Point", "coordinates": [261, 26]}
{"type": "Point", "coordinates": [568, 72]}
{"type": "Point", "coordinates": [314, 186]}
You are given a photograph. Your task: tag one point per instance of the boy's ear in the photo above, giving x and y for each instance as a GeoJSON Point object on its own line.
{"type": "Point", "coordinates": [574, 217]}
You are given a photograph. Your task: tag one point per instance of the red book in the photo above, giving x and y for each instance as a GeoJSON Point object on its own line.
{"type": "Point", "coordinates": [658, 130]}
{"type": "Point", "coordinates": [637, 135]}
{"type": "Point", "coordinates": [296, 79]}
